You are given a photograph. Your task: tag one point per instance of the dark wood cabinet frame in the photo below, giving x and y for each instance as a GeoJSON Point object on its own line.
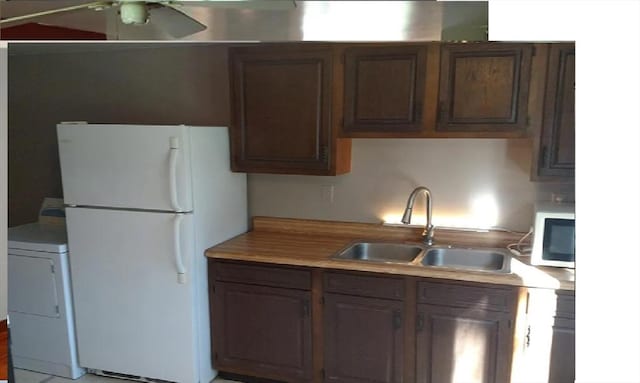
{"type": "Point", "coordinates": [495, 308]}
{"type": "Point", "coordinates": [516, 122]}
{"type": "Point", "coordinates": [558, 98]}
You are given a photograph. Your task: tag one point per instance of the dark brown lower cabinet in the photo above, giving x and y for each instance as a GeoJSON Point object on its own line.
{"type": "Point", "coordinates": [562, 358]}
{"type": "Point", "coordinates": [297, 324]}
{"type": "Point", "coordinates": [462, 345]}
{"type": "Point", "coordinates": [548, 352]}
{"type": "Point", "coordinates": [262, 331]}
{"type": "Point", "coordinates": [363, 339]}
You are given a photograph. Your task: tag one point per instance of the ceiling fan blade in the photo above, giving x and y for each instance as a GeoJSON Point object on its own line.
{"type": "Point", "coordinates": [92, 5]}
{"type": "Point", "coordinates": [174, 21]}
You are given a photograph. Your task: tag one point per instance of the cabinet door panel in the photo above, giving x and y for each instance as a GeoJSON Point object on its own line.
{"type": "Point", "coordinates": [363, 339]}
{"type": "Point", "coordinates": [281, 102]}
{"type": "Point", "coordinates": [563, 359]}
{"type": "Point", "coordinates": [484, 87]}
{"type": "Point", "coordinates": [557, 148]}
{"type": "Point", "coordinates": [548, 353]}
{"type": "Point", "coordinates": [263, 331]}
{"type": "Point", "coordinates": [384, 88]}
{"type": "Point", "coordinates": [462, 345]}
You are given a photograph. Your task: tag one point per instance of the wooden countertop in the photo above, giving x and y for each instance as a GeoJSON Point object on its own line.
{"type": "Point", "coordinates": [311, 243]}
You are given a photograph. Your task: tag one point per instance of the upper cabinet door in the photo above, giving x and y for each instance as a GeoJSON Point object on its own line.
{"type": "Point", "coordinates": [281, 109]}
{"type": "Point", "coordinates": [384, 89]}
{"type": "Point", "coordinates": [484, 88]}
{"type": "Point", "coordinates": [556, 155]}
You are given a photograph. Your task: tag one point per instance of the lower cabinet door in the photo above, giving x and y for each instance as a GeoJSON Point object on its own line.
{"type": "Point", "coordinates": [363, 339]}
{"type": "Point", "coordinates": [549, 352]}
{"type": "Point", "coordinates": [562, 366]}
{"type": "Point", "coordinates": [462, 345]}
{"type": "Point", "coordinates": [262, 331]}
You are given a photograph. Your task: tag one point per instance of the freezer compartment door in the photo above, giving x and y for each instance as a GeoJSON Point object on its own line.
{"type": "Point", "coordinates": [133, 314]}
{"type": "Point", "coordinates": [126, 166]}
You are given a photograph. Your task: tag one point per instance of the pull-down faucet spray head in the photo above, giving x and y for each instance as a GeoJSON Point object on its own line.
{"type": "Point", "coordinates": [406, 217]}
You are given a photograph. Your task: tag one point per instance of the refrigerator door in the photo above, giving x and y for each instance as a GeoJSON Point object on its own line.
{"type": "Point", "coordinates": [133, 314]}
{"type": "Point", "coordinates": [126, 166]}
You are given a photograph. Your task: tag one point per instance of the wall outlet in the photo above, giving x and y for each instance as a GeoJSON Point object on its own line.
{"type": "Point", "coordinates": [327, 192]}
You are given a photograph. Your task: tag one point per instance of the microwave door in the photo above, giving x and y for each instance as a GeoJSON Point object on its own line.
{"type": "Point", "coordinates": [559, 240]}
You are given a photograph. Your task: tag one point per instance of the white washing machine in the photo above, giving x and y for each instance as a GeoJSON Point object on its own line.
{"type": "Point", "coordinates": [40, 303]}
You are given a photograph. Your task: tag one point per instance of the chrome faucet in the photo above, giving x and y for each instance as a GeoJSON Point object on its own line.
{"type": "Point", "coordinates": [406, 217]}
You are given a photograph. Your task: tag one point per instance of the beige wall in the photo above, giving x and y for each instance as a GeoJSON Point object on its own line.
{"type": "Point", "coordinates": [464, 175]}
{"type": "Point", "coordinates": [161, 85]}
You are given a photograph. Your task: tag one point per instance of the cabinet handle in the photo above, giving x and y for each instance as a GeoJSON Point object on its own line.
{"type": "Point", "coordinates": [397, 320]}
{"type": "Point", "coordinates": [418, 112]}
{"type": "Point", "coordinates": [440, 112]}
{"type": "Point", "coordinates": [324, 153]}
{"type": "Point", "coordinates": [543, 156]}
{"type": "Point", "coordinates": [305, 308]}
{"type": "Point", "coordinates": [420, 322]}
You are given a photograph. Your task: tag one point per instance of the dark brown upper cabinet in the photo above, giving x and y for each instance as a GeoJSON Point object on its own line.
{"type": "Point", "coordinates": [282, 118]}
{"type": "Point", "coordinates": [384, 90]}
{"type": "Point", "coordinates": [484, 89]}
{"type": "Point", "coordinates": [554, 155]}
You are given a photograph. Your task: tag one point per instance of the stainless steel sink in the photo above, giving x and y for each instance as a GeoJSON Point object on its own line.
{"type": "Point", "coordinates": [381, 252]}
{"type": "Point", "coordinates": [492, 260]}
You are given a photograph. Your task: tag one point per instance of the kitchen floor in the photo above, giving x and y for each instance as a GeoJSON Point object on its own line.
{"type": "Point", "coordinates": [24, 376]}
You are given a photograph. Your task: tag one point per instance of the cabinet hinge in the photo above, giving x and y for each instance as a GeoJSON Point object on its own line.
{"type": "Point", "coordinates": [527, 337]}
{"type": "Point", "coordinates": [215, 355]}
{"type": "Point", "coordinates": [509, 323]}
{"type": "Point", "coordinates": [305, 308]}
{"type": "Point", "coordinates": [533, 50]}
{"type": "Point", "coordinates": [53, 269]}
{"type": "Point", "coordinates": [57, 309]}
{"type": "Point", "coordinates": [213, 288]}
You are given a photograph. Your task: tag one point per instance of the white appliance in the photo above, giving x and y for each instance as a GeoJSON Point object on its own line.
{"type": "Point", "coordinates": [554, 235]}
{"type": "Point", "coordinates": [40, 303]}
{"type": "Point", "coordinates": [143, 204]}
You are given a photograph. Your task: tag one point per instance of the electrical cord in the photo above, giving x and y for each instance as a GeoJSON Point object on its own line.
{"type": "Point", "coordinates": [517, 249]}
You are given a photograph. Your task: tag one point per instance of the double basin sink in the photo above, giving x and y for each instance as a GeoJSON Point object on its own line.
{"type": "Point", "coordinates": [472, 259]}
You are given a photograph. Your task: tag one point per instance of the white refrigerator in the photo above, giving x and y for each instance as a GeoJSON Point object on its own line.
{"type": "Point", "coordinates": [142, 204]}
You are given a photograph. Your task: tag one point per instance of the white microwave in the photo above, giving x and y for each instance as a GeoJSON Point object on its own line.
{"type": "Point", "coordinates": [554, 235]}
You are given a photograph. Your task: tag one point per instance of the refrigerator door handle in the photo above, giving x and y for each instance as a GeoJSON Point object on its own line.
{"type": "Point", "coordinates": [174, 146]}
{"type": "Point", "coordinates": [177, 249]}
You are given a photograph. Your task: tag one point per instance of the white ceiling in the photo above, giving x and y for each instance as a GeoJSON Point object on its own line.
{"type": "Point", "coordinates": [310, 20]}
